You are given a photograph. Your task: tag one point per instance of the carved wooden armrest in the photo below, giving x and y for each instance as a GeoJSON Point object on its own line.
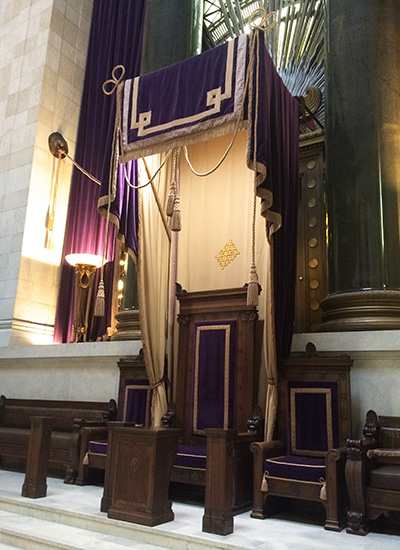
{"type": "Point", "coordinates": [267, 449]}
{"type": "Point", "coordinates": [255, 423]}
{"type": "Point", "coordinates": [168, 418]}
{"type": "Point", "coordinates": [357, 449]}
{"type": "Point", "coordinates": [384, 453]}
{"type": "Point", "coordinates": [111, 413]}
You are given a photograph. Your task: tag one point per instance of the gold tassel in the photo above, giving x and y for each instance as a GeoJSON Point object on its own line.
{"type": "Point", "coordinates": [252, 287]}
{"type": "Point", "coordinates": [170, 204]}
{"type": "Point", "coordinates": [100, 303]}
{"type": "Point", "coordinates": [176, 224]}
{"type": "Point", "coordinates": [85, 460]}
{"type": "Point", "coordinates": [322, 494]}
{"type": "Point", "coordinates": [173, 184]}
{"type": "Point", "coordinates": [264, 483]}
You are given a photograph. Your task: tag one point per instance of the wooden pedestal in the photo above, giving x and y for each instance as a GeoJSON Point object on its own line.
{"type": "Point", "coordinates": [219, 496]}
{"type": "Point", "coordinates": [35, 484]}
{"type": "Point", "coordinates": [139, 467]}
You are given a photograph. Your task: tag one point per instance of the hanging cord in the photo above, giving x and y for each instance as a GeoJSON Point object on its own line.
{"type": "Point", "coordinates": [157, 198]}
{"type": "Point", "coordinates": [116, 86]}
{"type": "Point", "coordinates": [172, 188]}
{"type": "Point", "coordinates": [151, 177]}
{"type": "Point", "coordinates": [51, 210]}
{"type": "Point", "coordinates": [252, 288]}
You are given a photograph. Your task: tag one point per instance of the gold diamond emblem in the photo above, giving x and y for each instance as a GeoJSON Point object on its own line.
{"type": "Point", "coordinates": [227, 254]}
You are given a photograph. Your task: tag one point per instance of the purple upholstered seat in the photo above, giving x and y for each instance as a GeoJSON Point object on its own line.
{"type": "Point", "coordinates": [191, 456]}
{"type": "Point", "coordinates": [301, 468]}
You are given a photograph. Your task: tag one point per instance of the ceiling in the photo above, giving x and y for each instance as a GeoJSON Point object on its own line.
{"type": "Point", "coordinates": [296, 42]}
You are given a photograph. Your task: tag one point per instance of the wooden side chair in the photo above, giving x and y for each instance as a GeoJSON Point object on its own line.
{"type": "Point", "coordinates": [215, 398]}
{"type": "Point", "coordinates": [307, 461]}
{"type": "Point", "coordinates": [373, 472]}
{"type": "Point", "coordinates": [133, 406]}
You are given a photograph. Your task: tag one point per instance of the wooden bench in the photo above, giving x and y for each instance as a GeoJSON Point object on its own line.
{"type": "Point", "coordinates": [68, 420]}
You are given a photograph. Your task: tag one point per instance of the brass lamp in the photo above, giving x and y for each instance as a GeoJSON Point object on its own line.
{"type": "Point", "coordinates": [85, 269]}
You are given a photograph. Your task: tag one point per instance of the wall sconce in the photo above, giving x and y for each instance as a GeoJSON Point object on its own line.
{"type": "Point", "coordinates": [85, 269]}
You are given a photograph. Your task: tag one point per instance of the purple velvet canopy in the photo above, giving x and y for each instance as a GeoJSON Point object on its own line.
{"type": "Point", "coordinates": [206, 96]}
{"type": "Point", "coordinates": [201, 97]}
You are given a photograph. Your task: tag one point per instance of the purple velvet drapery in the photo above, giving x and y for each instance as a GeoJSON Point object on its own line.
{"type": "Point", "coordinates": [278, 145]}
{"type": "Point", "coordinates": [115, 39]}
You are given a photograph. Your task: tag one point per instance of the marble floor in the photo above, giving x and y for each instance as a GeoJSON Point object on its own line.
{"type": "Point", "coordinates": [68, 518]}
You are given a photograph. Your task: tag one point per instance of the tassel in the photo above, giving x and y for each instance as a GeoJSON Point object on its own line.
{"type": "Point", "coordinates": [170, 204]}
{"type": "Point", "coordinates": [176, 224]}
{"type": "Point", "coordinates": [100, 306]}
{"type": "Point", "coordinates": [264, 483]}
{"type": "Point", "coordinates": [85, 460]}
{"type": "Point", "coordinates": [252, 287]}
{"type": "Point", "coordinates": [322, 494]}
{"type": "Point", "coordinates": [173, 184]}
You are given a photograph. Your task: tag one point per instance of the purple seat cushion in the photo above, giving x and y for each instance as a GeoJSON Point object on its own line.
{"type": "Point", "coordinates": [97, 447]}
{"type": "Point", "coordinates": [300, 468]}
{"type": "Point", "coordinates": [191, 456]}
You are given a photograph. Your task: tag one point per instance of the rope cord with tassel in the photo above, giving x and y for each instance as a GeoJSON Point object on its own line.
{"type": "Point", "coordinates": [99, 306]}
{"type": "Point", "coordinates": [252, 288]}
{"type": "Point", "coordinates": [51, 210]}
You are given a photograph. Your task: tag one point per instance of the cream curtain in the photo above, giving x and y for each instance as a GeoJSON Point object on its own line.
{"type": "Point", "coordinates": [153, 279]}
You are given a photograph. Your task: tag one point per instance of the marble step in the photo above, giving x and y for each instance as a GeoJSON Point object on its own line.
{"type": "Point", "coordinates": [22, 532]}
{"type": "Point", "coordinates": [29, 524]}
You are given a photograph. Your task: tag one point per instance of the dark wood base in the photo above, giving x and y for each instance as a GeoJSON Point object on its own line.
{"type": "Point", "coordinates": [35, 484]}
{"type": "Point", "coordinates": [139, 466]}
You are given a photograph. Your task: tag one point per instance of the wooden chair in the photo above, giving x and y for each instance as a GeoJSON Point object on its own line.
{"type": "Point", "coordinates": [215, 398]}
{"type": "Point", "coordinates": [373, 472]}
{"type": "Point", "coordinates": [307, 460]}
{"type": "Point", "coordinates": [133, 407]}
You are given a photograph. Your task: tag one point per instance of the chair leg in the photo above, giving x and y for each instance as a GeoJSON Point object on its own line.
{"type": "Point", "coordinates": [357, 522]}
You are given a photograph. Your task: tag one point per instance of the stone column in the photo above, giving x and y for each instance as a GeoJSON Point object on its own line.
{"type": "Point", "coordinates": [363, 165]}
{"type": "Point", "coordinates": [172, 33]}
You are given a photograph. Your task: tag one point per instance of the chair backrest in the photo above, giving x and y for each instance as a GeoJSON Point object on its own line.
{"type": "Point", "coordinates": [134, 396]}
{"type": "Point", "coordinates": [214, 345]}
{"type": "Point", "coordinates": [314, 402]}
{"type": "Point", "coordinates": [215, 376]}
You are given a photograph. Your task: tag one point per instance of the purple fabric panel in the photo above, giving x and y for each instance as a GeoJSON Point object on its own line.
{"type": "Point", "coordinates": [211, 374]}
{"type": "Point", "coordinates": [180, 91]}
{"type": "Point", "coordinates": [136, 402]}
{"type": "Point", "coordinates": [115, 38]}
{"type": "Point", "coordinates": [300, 468]}
{"type": "Point", "coordinates": [191, 456]}
{"type": "Point", "coordinates": [278, 149]}
{"type": "Point", "coordinates": [98, 447]}
{"type": "Point", "coordinates": [125, 205]}
{"type": "Point", "coordinates": [311, 419]}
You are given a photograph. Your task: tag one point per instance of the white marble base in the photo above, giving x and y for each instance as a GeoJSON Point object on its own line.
{"type": "Point", "coordinates": [69, 518]}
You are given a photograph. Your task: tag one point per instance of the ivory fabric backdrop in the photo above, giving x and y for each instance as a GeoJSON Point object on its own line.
{"type": "Point", "coordinates": [215, 210]}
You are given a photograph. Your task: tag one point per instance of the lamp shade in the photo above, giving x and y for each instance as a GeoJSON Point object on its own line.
{"type": "Point", "coordinates": [85, 259]}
